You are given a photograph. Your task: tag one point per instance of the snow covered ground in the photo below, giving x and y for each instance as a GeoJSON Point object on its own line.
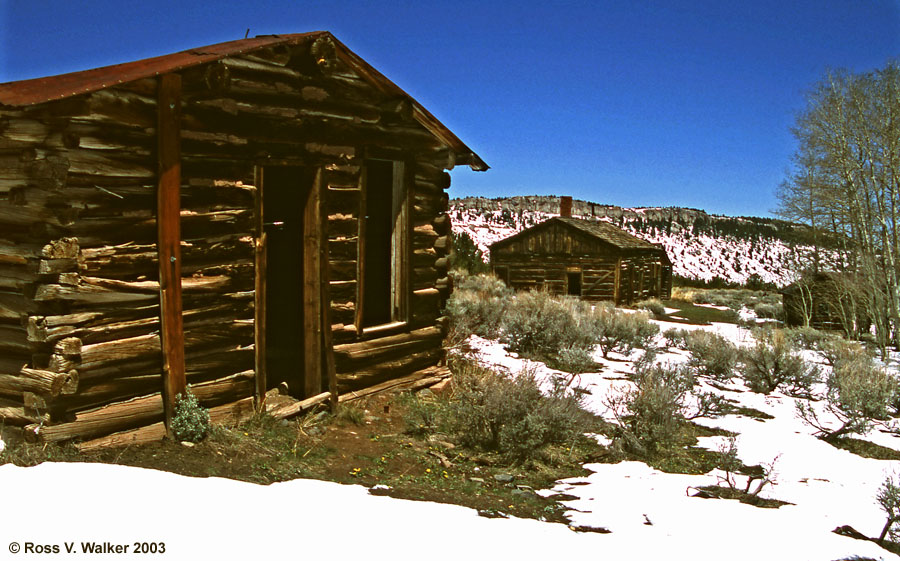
{"type": "Point", "coordinates": [827, 487]}
{"type": "Point", "coordinates": [649, 513]}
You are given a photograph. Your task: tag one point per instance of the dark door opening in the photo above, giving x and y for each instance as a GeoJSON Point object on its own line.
{"type": "Point", "coordinates": [574, 283]}
{"type": "Point", "coordinates": [286, 196]}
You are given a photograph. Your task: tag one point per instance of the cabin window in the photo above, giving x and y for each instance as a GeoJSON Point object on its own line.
{"type": "Point", "coordinates": [502, 273]}
{"type": "Point", "coordinates": [384, 244]}
{"type": "Point", "coordinates": [574, 283]}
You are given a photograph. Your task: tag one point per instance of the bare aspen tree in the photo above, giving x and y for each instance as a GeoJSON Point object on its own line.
{"type": "Point", "coordinates": [846, 182]}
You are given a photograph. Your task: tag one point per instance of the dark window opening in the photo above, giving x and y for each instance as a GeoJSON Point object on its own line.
{"type": "Point", "coordinates": [502, 273]}
{"type": "Point", "coordinates": [574, 283]}
{"type": "Point", "coordinates": [384, 245]}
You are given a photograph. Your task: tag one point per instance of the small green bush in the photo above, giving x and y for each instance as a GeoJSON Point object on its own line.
{"type": "Point", "coordinates": [712, 355]}
{"type": "Point", "coordinates": [773, 362]}
{"type": "Point", "coordinates": [465, 255]}
{"type": "Point", "coordinates": [650, 414]}
{"type": "Point", "coordinates": [190, 422]}
{"type": "Point", "coordinates": [510, 414]}
{"type": "Point", "coordinates": [619, 331]}
{"type": "Point", "coordinates": [860, 394]}
{"type": "Point", "coordinates": [653, 305]}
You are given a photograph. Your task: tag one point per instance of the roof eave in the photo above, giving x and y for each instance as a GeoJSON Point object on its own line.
{"type": "Point", "coordinates": [35, 91]}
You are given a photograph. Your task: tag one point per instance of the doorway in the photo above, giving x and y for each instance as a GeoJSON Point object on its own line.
{"type": "Point", "coordinates": [573, 283]}
{"type": "Point", "coordinates": [292, 285]}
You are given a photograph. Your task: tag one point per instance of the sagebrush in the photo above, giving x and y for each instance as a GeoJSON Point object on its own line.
{"type": "Point", "coordinates": [652, 305]}
{"type": "Point", "coordinates": [859, 395]}
{"type": "Point", "coordinates": [773, 362]}
{"type": "Point", "coordinates": [477, 306]}
{"type": "Point", "coordinates": [712, 355]}
{"type": "Point", "coordinates": [621, 332]}
{"type": "Point", "coordinates": [652, 412]}
{"type": "Point", "coordinates": [510, 414]}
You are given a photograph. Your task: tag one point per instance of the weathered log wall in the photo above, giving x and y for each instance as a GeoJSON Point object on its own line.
{"type": "Point", "coordinates": [613, 277]}
{"type": "Point", "coordinates": [79, 303]}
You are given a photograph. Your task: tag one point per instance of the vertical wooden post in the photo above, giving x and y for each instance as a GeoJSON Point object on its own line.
{"type": "Point", "coordinates": [361, 248]}
{"type": "Point", "coordinates": [168, 218]}
{"type": "Point", "coordinates": [259, 296]}
{"type": "Point", "coordinates": [617, 279]}
{"type": "Point", "coordinates": [312, 291]}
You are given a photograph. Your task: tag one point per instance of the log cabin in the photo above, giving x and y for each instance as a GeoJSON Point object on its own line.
{"type": "Point", "coordinates": [590, 259]}
{"type": "Point", "coordinates": [260, 214]}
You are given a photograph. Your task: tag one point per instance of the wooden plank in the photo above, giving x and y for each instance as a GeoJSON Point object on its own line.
{"type": "Point", "coordinates": [418, 379]}
{"type": "Point", "coordinates": [294, 408]}
{"type": "Point", "coordinates": [312, 290]}
{"type": "Point", "coordinates": [402, 250]}
{"type": "Point", "coordinates": [259, 298]}
{"type": "Point", "coordinates": [618, 280]}
{"type": "Point", "coordinates": [169, 231]}
{"type": "Point", "coordinates": [361, 249]}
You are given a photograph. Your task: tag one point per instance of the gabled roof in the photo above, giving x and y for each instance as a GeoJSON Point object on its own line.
{"type": "Point", "coordinates": [41, 90]}
{"type": "Point", "coordinates": [603, 231]}
{"type": "Point", "coordinates": [607, 232]}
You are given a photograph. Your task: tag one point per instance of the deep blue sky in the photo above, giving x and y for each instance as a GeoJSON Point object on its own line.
{"type": "Point", "coordinates": [634, 103]}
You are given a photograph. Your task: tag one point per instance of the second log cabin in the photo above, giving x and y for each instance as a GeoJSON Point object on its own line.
{"type": "Point", "coordinates": [590, 259]}
{"type": "Point", "coordinates": [257, 214]}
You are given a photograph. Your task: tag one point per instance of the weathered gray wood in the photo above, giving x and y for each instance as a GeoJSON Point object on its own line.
{"type": "Point", "coordinates": [41, 382]}
{"type": "Point", "coordinates": [138, 411]}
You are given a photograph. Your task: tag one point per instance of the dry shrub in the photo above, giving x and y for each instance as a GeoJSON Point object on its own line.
{"type": "Point", "coordinates": [768, 311]}
{"type": "Point", "coordinates": [836, 349]}
{"type": "Point", "coordinates": [860, 394]}
{"type": "Point", "coordinates": [773, 362]}
{"type": "Point", "coordinates": [477, 306]}
{"type": "Point", "coordinates": [683, 293]}
{"type": "Point", "coordinates": [510, 414]}
{"type": "Point", "coordinates": [712, 355]}
{"type": "Point", "coordinates": [808, 337]}
{"type": "Point", "coordinates": [621, 332]}
{"type": "Point", "coordinates": [652, 305]}
{"type": "Point", "coordinates": [652, 413]}
{"type": "Point", "coordinates": [540, 324]}
{"type": "Point", "coordinates": [676, 338]}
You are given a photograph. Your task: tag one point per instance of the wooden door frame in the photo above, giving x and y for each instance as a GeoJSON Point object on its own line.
{"type": "Point", "coordinates": [314, 290]}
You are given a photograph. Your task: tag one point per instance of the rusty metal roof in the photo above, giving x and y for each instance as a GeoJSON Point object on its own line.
{"type": "Point", "coordinates": [25, 93]}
